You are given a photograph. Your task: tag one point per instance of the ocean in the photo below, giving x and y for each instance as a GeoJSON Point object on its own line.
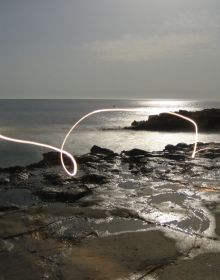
{"type": "Point", "coordinates": [48, 121]}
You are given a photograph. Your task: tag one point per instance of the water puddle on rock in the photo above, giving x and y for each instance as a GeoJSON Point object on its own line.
{"type": "Point", "coordinates": [117, 225]}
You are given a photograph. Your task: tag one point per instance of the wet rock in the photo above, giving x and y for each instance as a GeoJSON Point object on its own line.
{"type": "Point", "coordinates": [21, 265]}
{"type": "Point", "coordinates": [102, 151]}
{"type": "Point", "coordinates": [201, 267]}
{"type": "Point", "coordinates": [53, 178]}
{"type": "Point", "coordinates": [51, 159]}
{"type": "Point", "coordinates": [15, 197]}
{"type": "Point", "coordinates": [118, 256]}
{"type": "Point", "coordinates": [115, 170]}
{"type": "Point", "coordinates": [179, 147]}
{"type": "Point", "coordinates": [74, 229]}
{"type": "Point", "coordinates": [146, 170]}
{"type": "Point", "coordinates": [8, 207]}
{"type": "Point", "coordinates": [68, 212]}
{"type": "Point", "coordinates": [135, 153]}
{"type": "Point", "coordinates": [6, 246]}
{"type": "Point", "coordinates": [208, 150]}
{"type": "Point", "coordinates": [4, 180]}
{"type": "Point", "coordinates": [174, 193]}
{"type": "Point", "coordinates": [170, 148]}
{"type": "Point", "coordinates": [19, 177]}
{"type": "Point", "coordinates": [182, 146]}
{"type": "Point", "coordinates": [217, 218]}
{"type": "Point", "coordinates": [22, 176]}
{"type": "Point", "coordinates": [211, 205]}
{"type": "Point", "coordinates": [125, 213]}
{"type": "Point", "coordinates": [94, 179]}
{"type": "Point", "coordinates": [14, 169]}
{"type": "Point", "coordinates": [175, 156]}
{"type": "Point", "coordinates": [211, 154]}
{"type": "Point", "coordinates": [87, 159]}
{"type": "Point", "coordinates": [14, 225]}
{"type": "Point", "coordinates": [64, 194]}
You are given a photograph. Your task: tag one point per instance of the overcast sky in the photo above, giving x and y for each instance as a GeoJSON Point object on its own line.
{"type": "Point", "coordinates": [110, 49]}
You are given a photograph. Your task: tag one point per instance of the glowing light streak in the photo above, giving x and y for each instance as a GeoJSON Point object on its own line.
{"type": "Point", "coordinates": [205, 149]}
{"type": "Point", "coordinates": [15, 140]}
{"type": "Point", "coordinates": [63, 152]}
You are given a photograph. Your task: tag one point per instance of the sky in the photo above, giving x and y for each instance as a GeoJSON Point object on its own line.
{"type": "Point", "coordinates": [132, 49]}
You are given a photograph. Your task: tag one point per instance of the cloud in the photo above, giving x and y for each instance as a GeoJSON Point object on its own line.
{"type": "Point", "coordinates": [131, 48]}
{"type": "Point", "coordinates": [200, 21]}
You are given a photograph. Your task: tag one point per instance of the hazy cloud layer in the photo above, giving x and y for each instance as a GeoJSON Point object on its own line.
{"type": "Point", "coordinates": [185, 34]}
{"type": "Point", "coordinates": [110, 49]}
{"type": "Point", "coordinates": [131, 48]}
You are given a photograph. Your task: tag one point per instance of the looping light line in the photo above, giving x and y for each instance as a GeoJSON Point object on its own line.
{"type": "Point", "coordinates": [40, 145]}
{"type": "Point", "coordinates": [74, 163]}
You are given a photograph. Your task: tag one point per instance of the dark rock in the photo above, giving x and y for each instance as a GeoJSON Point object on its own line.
{"type": "Point", "coordinates": [134, 171]}
{"type": "Point", "coordinates": [205, 266]}
{"type": "Point", "coordinates": [51, 159]}
{"type": "Point", "coordinates": [211, 154]}
{"type": "Point", "coordinates": [4, 180]}
{"type": "Point", "coordinates": [21, 265]}
{"type": "Point", "coordinates": [207, 120]}
{"type": "Point", "coordinates": [54, 179]}
{"type": "Point", "coordinates": [146, 170]}
{"type": "Point", "coordinates": [115, 170]}
{"type": "Point", "coordinates": [67, 195]}
{"type": "Point", "coordinates": [131, 252]}
{"type": "Point", "coordinates": [170, 148]}
{"type": "Point", "coordinates": [94, 179]}
{"type": "Point", "coordinates": [217, 218]}
{"type": "Point", "coordinates": [102, 151]}
{"type": "Point", "coordinates": [19, 176]}
{"type": "Point", "coordinates": [182, 146]}
{"type": "Point", "coordinates": [87, 159]}
{"type": "Point", "coordinates": [14, 169]}
{"type": "Point", "coordinates": [135, 153]}
{"type": "Point", "coordinates": [5, 208]}
{"type": "Point", "coordinates": [125, 213]}
{"type": "Point", "coordinates": [178, 157]}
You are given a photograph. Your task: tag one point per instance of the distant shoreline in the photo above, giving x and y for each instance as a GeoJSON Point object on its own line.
{"type": "Point", "coordinates": [208, 120]}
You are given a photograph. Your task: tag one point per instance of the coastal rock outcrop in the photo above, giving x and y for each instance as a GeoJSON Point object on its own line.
{"type": "Point", "coordinates": [207, 120]}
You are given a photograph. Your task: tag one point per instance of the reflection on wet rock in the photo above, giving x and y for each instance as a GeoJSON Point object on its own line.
{"type": "Point", "coordinates": [126, 216]}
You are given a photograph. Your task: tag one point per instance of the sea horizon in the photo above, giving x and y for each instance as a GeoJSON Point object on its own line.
{"type": "Point", "coordinates": [48, 120]}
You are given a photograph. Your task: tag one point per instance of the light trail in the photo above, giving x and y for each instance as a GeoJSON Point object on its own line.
{"type": "Point", "coordinates": [205, 149]}
{"type": "Point", "coordinates": [15, 140]}
{"type": "Point", "coordinates": [63, 152]}
{"type": "Point", "coordinates": [120, 110]}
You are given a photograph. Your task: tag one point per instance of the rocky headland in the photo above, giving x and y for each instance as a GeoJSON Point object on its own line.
{"type": "Point", "coordinates": [208, 120]}
{"type": "Point", "coordinates": [133, 215]}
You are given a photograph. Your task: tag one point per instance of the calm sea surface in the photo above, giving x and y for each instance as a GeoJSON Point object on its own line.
{"type": "Point", "coordinates": [48, 121]}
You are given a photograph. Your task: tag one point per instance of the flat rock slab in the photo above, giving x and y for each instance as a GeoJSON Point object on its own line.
{"type": "Point", "coordinates": [29, 259]}
{"type": "Point", "coordinates": [118, 256]}
{"type": "Point", "coordinates": [19, 266]}
{"type": "Point", "coordinates": [14, 225]}
{"type": "Point", "coordinates": [201, 267]}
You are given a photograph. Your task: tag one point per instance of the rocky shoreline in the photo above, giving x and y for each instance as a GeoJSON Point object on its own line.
{"type": "Point", "coordinates": [208, 120]}
{"type": "Point", "coordinates": [133, 215]}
